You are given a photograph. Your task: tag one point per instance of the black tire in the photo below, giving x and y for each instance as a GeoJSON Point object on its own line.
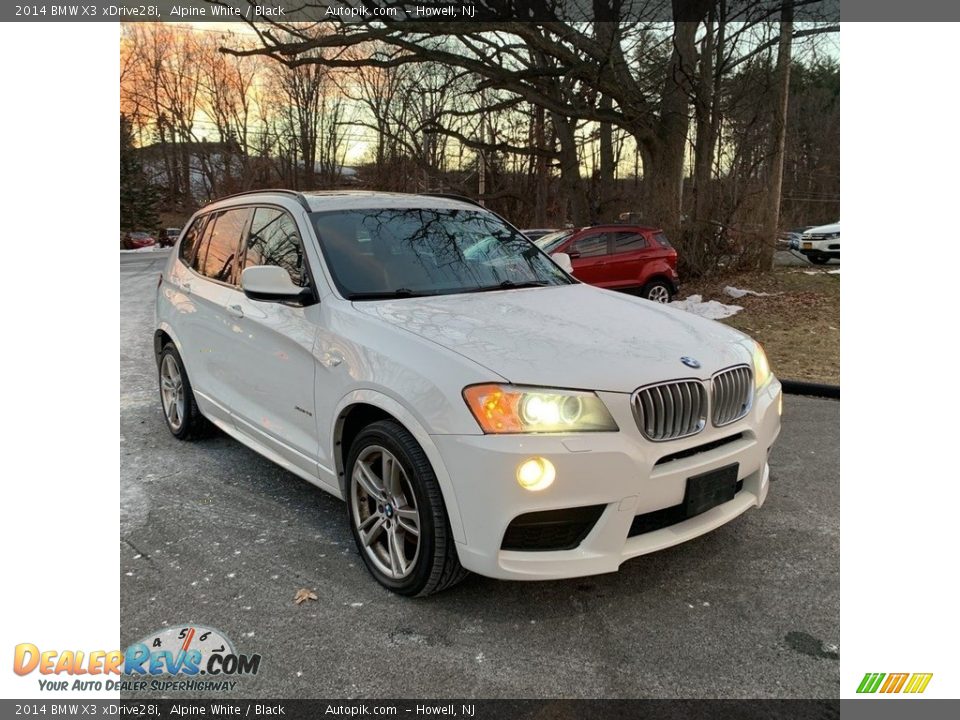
{"type": "Point", "coordinates": [437, 566]}
{"type": "Point", "coordinates": [193, 425]}
{"type": "Point", "coordinates": [819, 259]}
{"type": "Point", "coordinates": [657, 288]}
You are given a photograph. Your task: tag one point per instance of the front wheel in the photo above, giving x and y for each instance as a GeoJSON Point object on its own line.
{"type": "Point", "coordinates": [397, 514]}
{"type": "Point", "coordinates": [819, 259]}
{"type": "Point", "coordinates": [657, 291]}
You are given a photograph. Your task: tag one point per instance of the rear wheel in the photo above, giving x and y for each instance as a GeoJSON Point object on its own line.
{"type": "Point", "coordinates": [176, 396]}
{"type": "Point", "coordinates": [657, 291]}
{"type": "Point", "coordinates": [397, 514]}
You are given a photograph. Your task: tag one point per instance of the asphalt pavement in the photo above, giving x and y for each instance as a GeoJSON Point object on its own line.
{"type": "Point", "coordinates": [213, 534]}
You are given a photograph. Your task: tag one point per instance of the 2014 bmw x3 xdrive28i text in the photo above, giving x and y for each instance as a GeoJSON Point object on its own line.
{"type": "Point", "coordinates": [475, 406]}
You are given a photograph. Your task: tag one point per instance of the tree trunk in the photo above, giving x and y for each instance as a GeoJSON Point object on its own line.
{"type": "Point", "coordinates": [778, 134]}
{"type": "Point", "coordinates": [705, 141]}
{"type": "Point", "coordinates": [669, 143]}
{"type": "Point", "coordinates": [570, 178]}
{"type": "Point", "coordinates": [607, 166]}
{"type": "Point", "coordinates": [540, 168]}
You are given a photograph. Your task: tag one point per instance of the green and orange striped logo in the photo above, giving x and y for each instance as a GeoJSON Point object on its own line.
{"type": "Point", "coordinates": [894, 682]}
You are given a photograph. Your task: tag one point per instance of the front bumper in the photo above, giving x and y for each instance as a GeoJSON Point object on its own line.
{"type": "Point", "coordinates": [820, 246]}
{"type": "Point", "coordinates": [616, 470]}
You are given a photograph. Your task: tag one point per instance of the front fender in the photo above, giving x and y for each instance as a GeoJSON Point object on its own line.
{"type": "Point", "coordinates": [409, 421]}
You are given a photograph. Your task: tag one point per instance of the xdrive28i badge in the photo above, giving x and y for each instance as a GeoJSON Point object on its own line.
{"type": "Point", "coordinates": [690, 362]}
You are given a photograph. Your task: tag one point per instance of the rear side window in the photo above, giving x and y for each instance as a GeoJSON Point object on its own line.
{"type": "Point", "coordinates": [662, 240]}
{"type": "Point", "coordinates": [190, 239]}
{"type": "Point", "coordinates": [216, 257]}
{"type": "Point", "coordinates": [275, 240]}
{"type": "Point", "coordinates": [627, 242]}
{"type": "Point", "coordinates": [591, 245]}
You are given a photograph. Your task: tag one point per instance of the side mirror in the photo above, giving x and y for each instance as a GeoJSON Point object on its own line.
{"type": "Point", "coordinates": [270, 283]}
{"type": "Point", "coordinates": [563, 260]}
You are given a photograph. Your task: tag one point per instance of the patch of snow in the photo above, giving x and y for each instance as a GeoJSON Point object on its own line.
{"type": "Point", "coordinates": [833, 272]}
{"type": "Point", "coordinates": [152, 248]}
{"type": "Point", "coordinates": [356, 605]}
{"type": "Point", "coordinates": [735, 292]}
{"type": "Point", "coordinates": [712, 309]}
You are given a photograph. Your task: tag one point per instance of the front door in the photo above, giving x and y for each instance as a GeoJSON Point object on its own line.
{"type": "Point", "coordinates": [273, 355]}
{"type": "Point", "coordinates": [589, 254]}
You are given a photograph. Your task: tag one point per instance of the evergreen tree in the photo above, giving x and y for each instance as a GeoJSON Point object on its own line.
{"type": "Point", "coordinates": [138, 197]}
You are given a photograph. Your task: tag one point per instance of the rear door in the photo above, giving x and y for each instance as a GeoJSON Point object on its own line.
{"type": "Point", "coordinates": [206, 327]}
{"type": "Point", "coordinates": [625, 267]}
{"type": "Point", "coordinates": [272, 352]}
{"type": "Point", "coordinates": [589, 254]}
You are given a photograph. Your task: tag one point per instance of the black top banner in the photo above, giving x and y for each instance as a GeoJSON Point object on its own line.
{"type": "Point", "coordinates": [298, 11]}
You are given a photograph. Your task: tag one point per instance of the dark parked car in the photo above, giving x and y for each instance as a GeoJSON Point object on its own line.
{"type": "Point", "coordinates": [619, 257]}
{"type": "Point", "coordinates": [169, 237]}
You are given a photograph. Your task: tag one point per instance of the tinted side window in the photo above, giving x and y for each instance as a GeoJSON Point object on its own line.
{"type": "Point", "coordinates": [591, 246]}
{"type": "Point", "coordinates": [190, 239]}
{"type": "Point", "coordinates": [628, 242]}
{"type": "Point", "coordinates": [275, 240]}
{"type": "Point", "coordinates": [203, 241]}
{"type": "Point", "coordinates": [220, 250]}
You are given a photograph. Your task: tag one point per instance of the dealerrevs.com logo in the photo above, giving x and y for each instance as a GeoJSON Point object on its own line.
{"type": "Point", "coordinates": [186, 657]}
{"type": "Point", "coordinates": [910, 683]}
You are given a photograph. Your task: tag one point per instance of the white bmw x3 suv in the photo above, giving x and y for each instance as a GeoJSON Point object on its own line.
{"type": "Point", "coordinates": [476, 407]}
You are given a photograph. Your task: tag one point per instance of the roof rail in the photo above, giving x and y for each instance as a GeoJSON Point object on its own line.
{"type": "Point", "coordinates": [297, 195]}
{"type": "Point", "coordinates": [452, 196]}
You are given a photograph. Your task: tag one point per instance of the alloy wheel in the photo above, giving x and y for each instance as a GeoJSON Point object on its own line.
{"type": "Point", "coordinates": [658, 293]}
{"type": "Point", "coordinates": [171, 391]}
{"type": "Point", "coordinates": [385, 512]}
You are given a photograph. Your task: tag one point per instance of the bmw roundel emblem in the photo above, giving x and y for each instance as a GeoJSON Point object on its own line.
{"type": "Point", "coordinates": [690, 362]}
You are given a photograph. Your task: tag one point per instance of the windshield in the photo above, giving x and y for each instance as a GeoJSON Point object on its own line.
{"type": "Point", "coordinates": [548, 242]}
{"type": "Point", "coordinates": [409, 252]}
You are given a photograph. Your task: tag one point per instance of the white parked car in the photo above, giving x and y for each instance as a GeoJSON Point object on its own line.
{"type": "Point", "coordinates": [821, 244]}
{"type": "Point", "coordinates": [477, 407]}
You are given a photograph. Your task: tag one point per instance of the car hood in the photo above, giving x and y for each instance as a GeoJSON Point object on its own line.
{"type": "Point", "coordinates": [572, 336]}
{"type": "Point", "coordinates": [823, 229]}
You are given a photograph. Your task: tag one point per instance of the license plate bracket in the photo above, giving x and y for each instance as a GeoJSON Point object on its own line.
{"type": "Point", "coordinates": [709, 489]}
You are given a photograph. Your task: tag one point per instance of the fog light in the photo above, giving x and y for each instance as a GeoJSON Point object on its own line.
{"type": "Point", "coordinates": [536, 474]}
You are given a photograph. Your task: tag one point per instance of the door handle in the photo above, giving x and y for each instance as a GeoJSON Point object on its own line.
{"type": "Point", "coordinates": [235, 310]}
{"type": "Point", "coordinates": [185, 287]}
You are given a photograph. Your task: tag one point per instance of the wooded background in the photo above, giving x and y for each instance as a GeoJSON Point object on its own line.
{"type": "Point", "coordinates": [723, 130]}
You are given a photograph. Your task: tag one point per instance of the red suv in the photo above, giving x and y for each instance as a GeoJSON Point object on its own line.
{"type": "Point", "coordinates": [619, 257]}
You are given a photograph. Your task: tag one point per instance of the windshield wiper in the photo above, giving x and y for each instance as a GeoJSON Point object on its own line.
{"type": "Point", "coordinates": [387, 294]}
{"type": "Point", "coordinates": [510, 285]}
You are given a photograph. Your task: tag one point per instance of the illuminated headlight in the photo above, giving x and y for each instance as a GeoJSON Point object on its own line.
{"type": "Point", "coordinates": [514, 409]}
{"type": "Point", "coordinates": [761, 367]}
